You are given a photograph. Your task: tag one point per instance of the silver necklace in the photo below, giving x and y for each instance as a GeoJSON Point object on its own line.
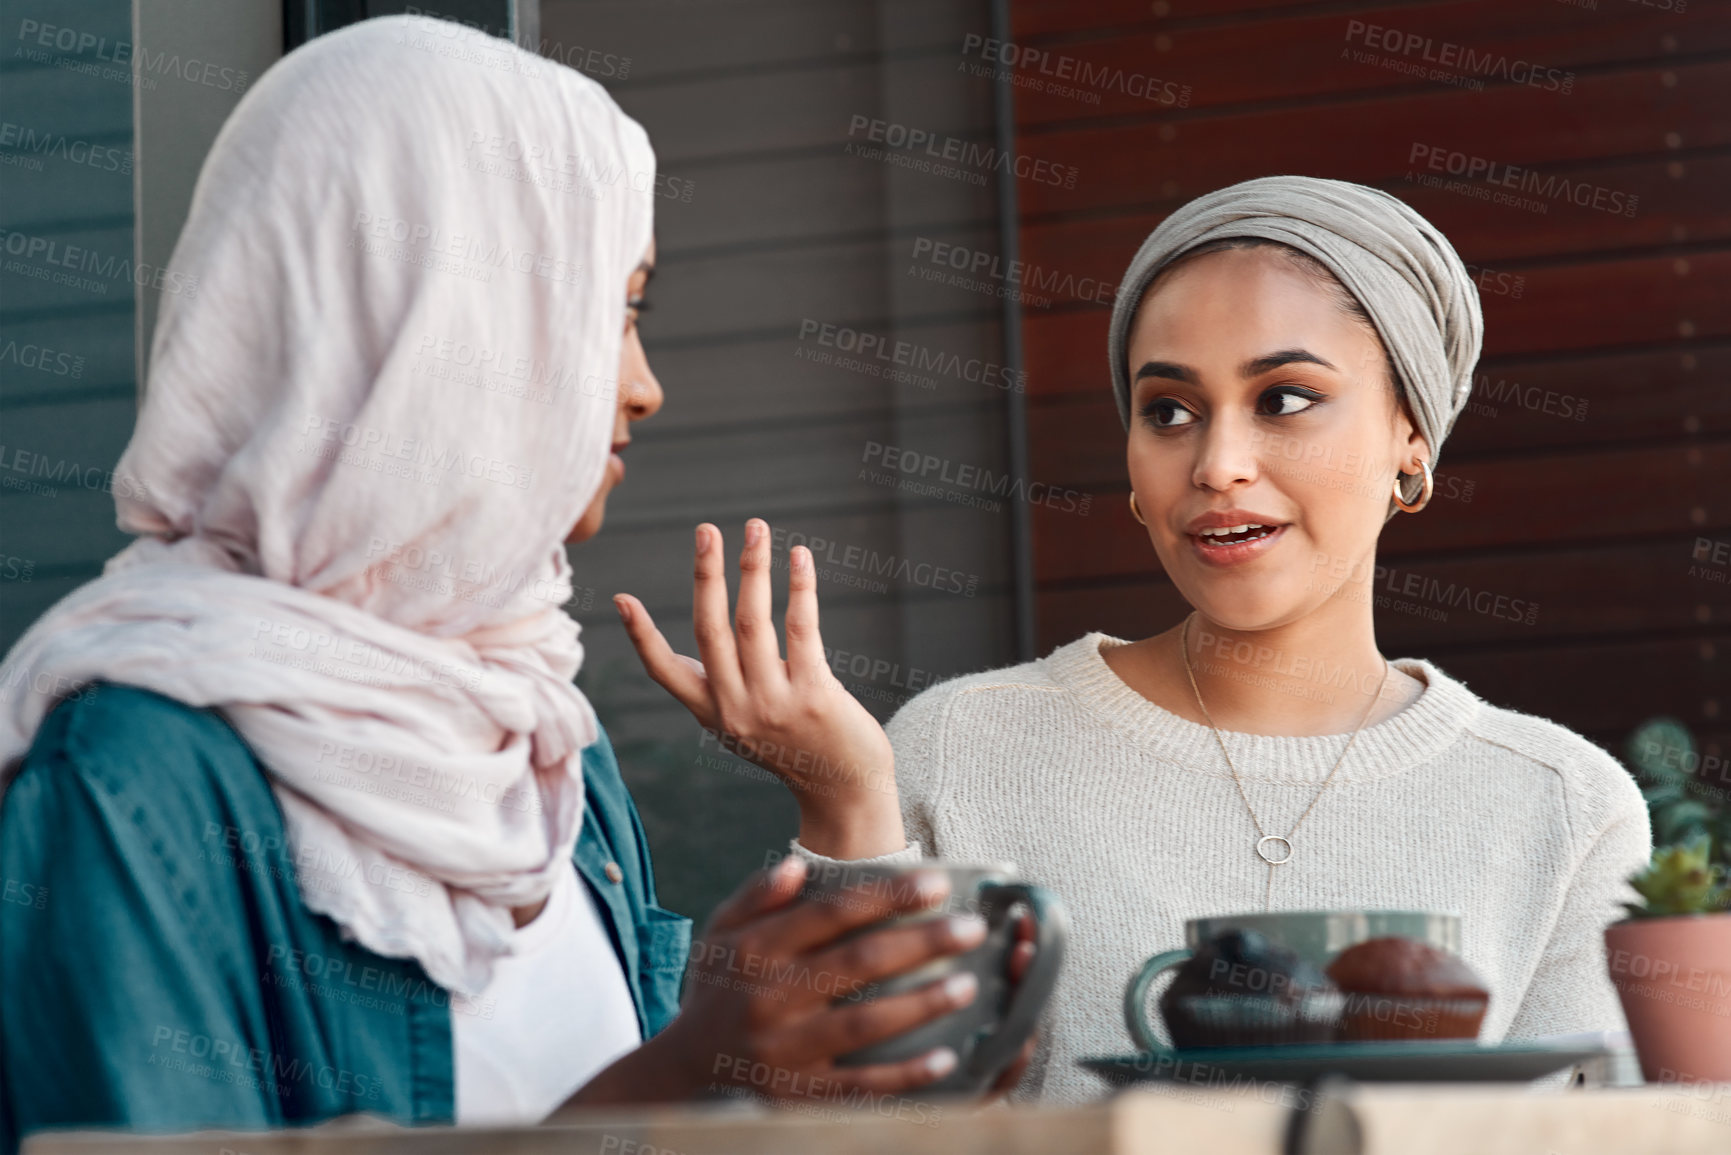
{"type": "Point", "coordinates": [1269, 845]}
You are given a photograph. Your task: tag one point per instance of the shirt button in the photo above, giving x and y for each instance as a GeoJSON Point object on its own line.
{"type": "Point", "coordinates": [614, 874]}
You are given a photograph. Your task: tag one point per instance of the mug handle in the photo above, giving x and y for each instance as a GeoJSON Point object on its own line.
{"type": "Point", "coordinates": [1136, 997]}
{"type": "Point", "coordinates": [1052, 929]}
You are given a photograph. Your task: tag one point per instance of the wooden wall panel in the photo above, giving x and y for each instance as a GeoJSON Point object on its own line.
{"type": "Point", "coordinates": [1226, 59]}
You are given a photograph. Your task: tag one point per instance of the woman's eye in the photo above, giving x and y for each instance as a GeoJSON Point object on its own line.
{"type": "Point", "coordinates": [1284, 402]}
{"type": "Point", "coordinates": [1166, 413]}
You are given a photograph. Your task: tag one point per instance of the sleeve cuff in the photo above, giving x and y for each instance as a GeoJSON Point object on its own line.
{"type": "Point", "coordinates": [907, 855]}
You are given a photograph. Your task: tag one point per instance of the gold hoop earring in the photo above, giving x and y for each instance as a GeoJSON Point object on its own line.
{"type": "Point", "coordinates": [1424, 496]}
{"type": "Point", "coordinates": [1134, 512]}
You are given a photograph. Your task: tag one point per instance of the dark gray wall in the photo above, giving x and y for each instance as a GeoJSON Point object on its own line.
{"type": "Point", "coordinates": [749, 106]}
{"type": "Point", "coordinates": [90, 216]}
{"type": "Point", "coordinates": [66, 294]}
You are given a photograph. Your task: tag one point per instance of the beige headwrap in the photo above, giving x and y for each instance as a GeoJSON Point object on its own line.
{"type": "Point", "coordinates": [1402, 270]}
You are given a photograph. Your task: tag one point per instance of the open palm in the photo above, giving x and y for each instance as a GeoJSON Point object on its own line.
{"type": "Point", "coordinates": [792, 717]}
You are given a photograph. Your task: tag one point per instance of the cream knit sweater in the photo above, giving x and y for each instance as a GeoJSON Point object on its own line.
{"type": "Point", "coordinates": [1129, 814]}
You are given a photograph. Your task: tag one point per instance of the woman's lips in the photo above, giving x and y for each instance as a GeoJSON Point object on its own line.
{"type": "Point", "coordinates": [617, 463]}
{"type": "Point", "coordinates": [1236, 553]}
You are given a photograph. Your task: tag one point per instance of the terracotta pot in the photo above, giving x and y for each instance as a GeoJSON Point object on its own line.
{"type": "Point", "coordinates": [1674, 977]}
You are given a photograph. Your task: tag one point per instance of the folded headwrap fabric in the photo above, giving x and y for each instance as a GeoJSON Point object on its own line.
{"type": "Point", "coordinates": [1402, 270]}
{"type": "Point", "coordinates": [366, 435]}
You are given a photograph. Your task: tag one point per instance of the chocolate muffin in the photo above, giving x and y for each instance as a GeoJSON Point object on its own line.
{"type": "Point", "coordinates": [1402, 988]}
{"type": "Point", "coordinates": [1241, 989]}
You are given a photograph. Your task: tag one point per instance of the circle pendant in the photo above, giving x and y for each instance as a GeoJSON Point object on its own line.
{"type": "Point", "coordinates": [1268, 853]}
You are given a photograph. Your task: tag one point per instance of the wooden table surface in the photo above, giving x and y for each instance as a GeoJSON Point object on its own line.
{"type": "Point", "coordinates": [1343, 1118]}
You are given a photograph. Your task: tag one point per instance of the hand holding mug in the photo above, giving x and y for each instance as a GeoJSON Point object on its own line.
{"type": "Point", "coordinates": [761, 1013]}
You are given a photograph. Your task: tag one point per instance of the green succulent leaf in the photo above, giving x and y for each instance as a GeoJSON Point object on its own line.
{"type": "Point", "coordinates": [1681, 879]}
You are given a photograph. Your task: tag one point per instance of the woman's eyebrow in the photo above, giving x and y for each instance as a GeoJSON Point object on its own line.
{"type": "Point", "coordinates": [1168, 369]}
{"type": "Point", "coordinates": [648, 271]}
{"type": "Point", "coordinates": [1257, 366]}
{"type": "Point", "coordinates": [1254, 367]}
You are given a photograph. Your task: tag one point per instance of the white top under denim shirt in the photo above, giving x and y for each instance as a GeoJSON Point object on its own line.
{"type": "Point", "coordinates": [556, 1013]}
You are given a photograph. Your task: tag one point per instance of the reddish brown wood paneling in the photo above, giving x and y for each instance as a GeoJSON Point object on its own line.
{"type": "Point", "coordinates": [1226, 60]}
{"type": "Point", "coordinates": [1596, 453]}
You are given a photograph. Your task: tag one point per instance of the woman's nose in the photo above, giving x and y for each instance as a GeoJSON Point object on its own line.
{"type": "Point", "coordinates": [1228, 455]}
{"type": "Point", "coordinates": [640, 393]}
{"type": "Point", "coordinates": [640, 397]}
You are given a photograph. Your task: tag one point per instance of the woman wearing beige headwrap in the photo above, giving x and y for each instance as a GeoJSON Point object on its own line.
{"type": "Point", "coordinates": [1288, 355]}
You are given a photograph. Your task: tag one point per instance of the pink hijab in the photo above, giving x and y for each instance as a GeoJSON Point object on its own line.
{"type": "Point", "coordinates": [383, 396]}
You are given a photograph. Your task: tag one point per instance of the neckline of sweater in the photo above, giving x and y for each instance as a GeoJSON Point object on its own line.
{"type": "Point", "coordinates": [1406, 739]}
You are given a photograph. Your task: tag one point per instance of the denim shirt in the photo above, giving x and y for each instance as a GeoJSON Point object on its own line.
{"type": "Point", "coordinates": [159, 972]}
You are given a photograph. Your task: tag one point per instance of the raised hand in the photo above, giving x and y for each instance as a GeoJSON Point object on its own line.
{"type": "Point", "coordinates": [794, 717]}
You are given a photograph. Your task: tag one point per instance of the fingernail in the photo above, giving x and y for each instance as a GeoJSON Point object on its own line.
{"type": "Point", "coordinates": [941, 1061]}
{"type": "Point", "coordinates": [620, 604]}
{"type": "Point", "coordinates": [967, 929]}
{"type": "Point", "coordinates": [753, 531]}
{"type": "Point", "coordinates": [960, 987]}
{"type": "Point", "coordinates": [930, 885]}
{"type": "Point", "coordinates": [702, 542]}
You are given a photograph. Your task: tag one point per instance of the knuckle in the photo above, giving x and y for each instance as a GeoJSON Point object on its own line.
{"type": "Point", "coordinates": [761, 1016]}
{"type": "Point", "coordinates": [859, 957]}
{"type": "Point", "coordinates": [747, 944]}
{"type": "Point", "coordinates": [860, 902]}
{"type": "Point", "coordinates": [854, 1030]}
{"type": "Point", "coordinates": [736, 728]}
{"type": "Point", "coordinates": [936, 934]}
{"type": "Point", "coordinates": [783, 1047]}
{"type": "Point", "coordinates": [709, 632]}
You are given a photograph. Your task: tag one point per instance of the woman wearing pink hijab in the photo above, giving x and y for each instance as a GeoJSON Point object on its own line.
{"type": "Point", "coordinates": [303, 813]}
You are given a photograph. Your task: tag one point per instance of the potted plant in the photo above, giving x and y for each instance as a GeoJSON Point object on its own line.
{"type": "Point", "coordinates": [1670, 959]}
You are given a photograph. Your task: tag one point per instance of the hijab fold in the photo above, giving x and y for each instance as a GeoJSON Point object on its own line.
{"type": "Point", "coordinates": [1400, 268]}
{"type": "Point", "coordinates": [366, 434]}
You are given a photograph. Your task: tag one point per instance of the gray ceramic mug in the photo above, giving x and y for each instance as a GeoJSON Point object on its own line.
{"type": "Point", "coordinates": [987, 1033]}
{"type": "Point", "coordinates": [1316, 936]}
